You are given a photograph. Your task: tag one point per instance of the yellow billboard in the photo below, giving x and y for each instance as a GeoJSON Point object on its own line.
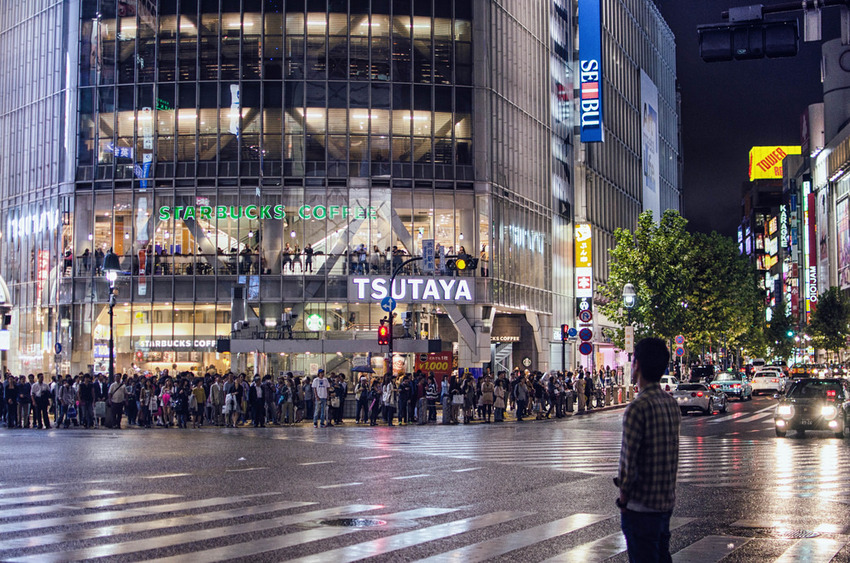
{"type": "Point", "coordinates": [766, 162]}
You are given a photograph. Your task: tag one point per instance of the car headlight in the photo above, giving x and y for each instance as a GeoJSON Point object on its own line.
{"type": "Point", "coordinates": [785, 411]}
{"type": "Point", "coordinates": [828, 412]}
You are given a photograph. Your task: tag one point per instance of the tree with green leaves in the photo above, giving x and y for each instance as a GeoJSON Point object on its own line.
{"type": "Point", "coordinates": [828, 325]}
{"type": "Point", "coordinates": [696, 285]}
{"type": "Point", "coordinates": [653, 260]}
{"type": "Point", "coordinates": [780, 334]}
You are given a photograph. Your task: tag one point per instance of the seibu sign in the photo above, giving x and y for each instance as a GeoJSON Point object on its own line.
{"type": "Point", "coordinates": [411, 289]}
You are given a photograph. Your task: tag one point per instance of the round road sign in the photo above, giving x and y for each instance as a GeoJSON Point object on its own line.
{"type": "Point", "coordinates": [585, 316]}
{"type": "Point", "coordinates": [585, 334]}
{"type": "Point", "coordinates": [572, 333]}
{"type": "Point", "coordinates": [680, 351]}
{"type": "Point", "coordinates": [680, 340]}
{"type": "Point", "coordinates": [388, 304]}
{"type": "Point", "coordinates": [586, 348]}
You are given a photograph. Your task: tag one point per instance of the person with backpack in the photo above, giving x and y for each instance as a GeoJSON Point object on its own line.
{"type": "Point", "coordinates": [115, 400]}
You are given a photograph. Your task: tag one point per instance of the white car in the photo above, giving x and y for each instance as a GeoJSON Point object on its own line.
{"type": "Point", "coordinates": [768, 381]}
{"type": "Point", "coordinates": [669, 383]}
{"type": "Point", "coordinates": [699, 397]}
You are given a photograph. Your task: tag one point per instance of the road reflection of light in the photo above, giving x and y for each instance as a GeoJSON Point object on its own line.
{"type": "Point", "coordinates": [784, 469]}
{"type": "Point", "coordinates": [828, 471]}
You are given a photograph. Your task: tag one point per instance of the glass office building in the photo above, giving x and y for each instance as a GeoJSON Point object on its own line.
{"type": "Point", "coordinates": [287, 149]}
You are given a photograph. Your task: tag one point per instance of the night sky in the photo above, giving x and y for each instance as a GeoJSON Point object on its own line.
{"type": "Point", "coordinates": [727, 108]}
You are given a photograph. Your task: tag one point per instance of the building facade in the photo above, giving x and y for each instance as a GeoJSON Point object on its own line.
{"type": "Point", "coordinates": [262, 167]}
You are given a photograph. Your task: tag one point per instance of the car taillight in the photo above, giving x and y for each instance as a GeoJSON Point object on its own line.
{"type": "Point", "coordinates": [715, 386]}
{"type": "Point", "coordinates": [736, 385]}
{"type": "Point", "coordinates": [775, 380]}
{"type": "Point", "coordinates": [699, 394]}
{"type": "Point", "coordinates": [693, 394]}
{"type": "Point", "coordinates": [830, 393]}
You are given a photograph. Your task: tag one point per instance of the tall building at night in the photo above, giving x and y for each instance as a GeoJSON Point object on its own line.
{"type": "Point", "coordinates": [272, 162]}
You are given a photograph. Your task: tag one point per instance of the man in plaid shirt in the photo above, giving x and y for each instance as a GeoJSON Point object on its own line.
{"type": "Point", "coordinates": [649, 457]}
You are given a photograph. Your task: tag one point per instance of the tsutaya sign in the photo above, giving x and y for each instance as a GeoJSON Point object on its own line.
{"type": "Point", "coordinates": [320, 212]}
{"type": "Point", "coordinates": [411, 289]}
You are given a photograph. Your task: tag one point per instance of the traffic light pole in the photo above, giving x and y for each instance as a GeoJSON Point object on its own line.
{"type": "Point", "coordinates": [390, 316]}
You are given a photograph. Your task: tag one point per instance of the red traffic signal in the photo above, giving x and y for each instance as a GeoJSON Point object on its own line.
{"type": "Point", "coordinates": [384, 335]}
{"type": "Point", "coordinates": [565, 332]}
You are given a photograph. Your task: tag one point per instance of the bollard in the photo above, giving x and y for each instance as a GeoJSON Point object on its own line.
{"type": "Point", "coordinates": [615, 395]}
{"type": "Point", "coordinates": [608, 392]}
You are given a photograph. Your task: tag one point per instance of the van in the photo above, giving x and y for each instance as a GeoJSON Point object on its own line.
{"type": "Point", "coordinates": [758, 363]}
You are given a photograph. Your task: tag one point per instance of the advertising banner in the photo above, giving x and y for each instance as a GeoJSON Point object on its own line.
{"type": "Point", "coordinates": [649, 145]}
{"type": "Point", "coordinates": [822, 230]}
{"type": "Point", "coordinates": [584, 260]}
{"type": "Point", "coordinates": [766, 162]}
{"type": "Point", "coordinates": [439, 363]}
{"type": "Point", "coordinates": [590, 70]}
{"type": "Point", "coordinates": [843, 223]}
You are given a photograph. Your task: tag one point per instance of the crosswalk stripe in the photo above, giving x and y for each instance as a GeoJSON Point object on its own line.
{"type": "Point", "coordinates": [812, 550]}
{"type": "Point", "coordinates": [709, 548]}
{"type": "Point", "coordinates": [339, 485]}
{"type": "Point", "coordinates": [402, 477]}
{"type": "Point", "coordinates": [53, 496]}
{"type": "Point", "coordinates": [383, 546]}
{"type": "Point", "coordinates": [119, 501]}
{"type": "Point", "coordinates": [24, 490]}
{"type": "Point", "coordinates": [217, 533]}
{"type": "Point", "coordinates": [756, 417]}
{"type": "Point", "coordinates": [149, 525]}
{"type": "Point", "coordinates": [109, 515]}
{"type": "Point", "coordinates": [264, 545]}
{"type": "Point", "coordinates": [738, 415]}
{"type": "Point", "coordinates": [603, 548]}
{"type": "Point", "coordinates": [495, 547]}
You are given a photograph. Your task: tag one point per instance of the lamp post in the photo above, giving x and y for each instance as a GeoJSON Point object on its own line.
{"type": "Point", "coordinates": [111, 267]}
{"type": "Point", "coordinates": [629, 302]}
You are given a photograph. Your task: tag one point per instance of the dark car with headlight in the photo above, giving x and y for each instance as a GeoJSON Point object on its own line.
{"type": "Point", "coordinates": [814, 404]}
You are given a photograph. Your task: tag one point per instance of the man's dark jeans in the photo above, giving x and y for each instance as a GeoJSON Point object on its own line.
{"type": "Point", "coordinates": [647, 536]}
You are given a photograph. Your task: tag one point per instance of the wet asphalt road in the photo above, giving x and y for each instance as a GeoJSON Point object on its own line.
{"type": "Point", "coordinates": [533, 491]}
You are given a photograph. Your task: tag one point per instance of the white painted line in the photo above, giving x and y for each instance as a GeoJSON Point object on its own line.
{"type": "Point", "coordinates": [120, 501]}
{"type": "Point", "coordinates": [812, 550]}
{"type": "Point", "coordinates": [411, 476]}
{"type": "Point", "coordinates": [382, 546]}
{"type": "Point", "coordinates": [496, 547]}
{"type": "Point", "coordinates": [23, 490]}
{"type": "Point", "coordinates": [467, 469]}
{"type": "Point", "coordinates": [709, 548]}
{"type": "Point", "coordinates": [246, 469]}
{"type": "Point", "coordinates": [339, 485]}
{"type": "Point", "coordinates": [317, 463]}
{"type": "Point", "coordinates": [207, 534]}
{"type": "Point", "coordinates": [168, 476]}
{"type": "Point", "coordinates": [55, 496]}
{"type": "Point", "coordinates": [603, 548]}
{"type": "Point", "coordinates": [166, 523]}
{"type": "Point", "coordinates": [376, 457]}
{"type": "Point", "coordinates": [756, 417]}
{"type": "Point", "coordinates": [258, 546]}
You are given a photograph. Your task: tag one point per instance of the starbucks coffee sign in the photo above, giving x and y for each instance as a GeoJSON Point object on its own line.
{"type": "Point", "coordinates": [210, 212]}
{"type": "Point", "coordinates": [411, 289]}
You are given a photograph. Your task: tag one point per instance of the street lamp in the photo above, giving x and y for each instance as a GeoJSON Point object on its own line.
{"type": "Point", "coordinates": [111, 267]}
{"type": "Point", "coordinates": [629, 302]}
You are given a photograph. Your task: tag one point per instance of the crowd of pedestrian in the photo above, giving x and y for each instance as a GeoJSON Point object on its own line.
{"type": "Point", "coordinates": [232, 400]}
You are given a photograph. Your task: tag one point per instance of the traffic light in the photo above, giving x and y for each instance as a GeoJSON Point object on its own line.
{"type": "Point", "coordinates": [565, 332]}
{"type": "Point", "coordinates": [748, 40]}
{"type": "Point", "coordinates": [462, 263]}
{"type": "Point", "coordinates": [790, 333]}
{"type": "Point", "coordinates": [384, 335]}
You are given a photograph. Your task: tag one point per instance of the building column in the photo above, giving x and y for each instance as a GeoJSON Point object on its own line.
{"type": "Point", "coordinates": [473, 334]}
